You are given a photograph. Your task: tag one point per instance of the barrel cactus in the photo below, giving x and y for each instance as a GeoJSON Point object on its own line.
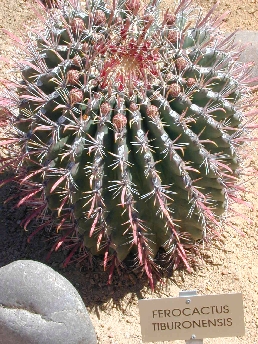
{"type": "Point", "coordinates": [129, 123]}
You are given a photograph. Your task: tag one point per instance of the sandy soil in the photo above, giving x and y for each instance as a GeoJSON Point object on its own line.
{"type": "Point", "coordinates": [230, 267]}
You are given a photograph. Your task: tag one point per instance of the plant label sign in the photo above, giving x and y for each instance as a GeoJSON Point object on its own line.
{"type": "Point", "coordinates": [198, 316]}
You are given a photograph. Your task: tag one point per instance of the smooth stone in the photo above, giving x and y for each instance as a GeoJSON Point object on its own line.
{"type": "Point", "coordinates": [250, 54]}
{"type": "Point", "coordinates": [39, 306]}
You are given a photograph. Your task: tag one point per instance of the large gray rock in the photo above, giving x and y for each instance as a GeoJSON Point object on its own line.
{"type": "Point", "coordinates": [39, 306]}
{"type": "Point", "coordinates": [250, 54]}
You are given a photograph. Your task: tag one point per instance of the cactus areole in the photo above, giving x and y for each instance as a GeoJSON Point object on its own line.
{"type": "Point", "coordinates": [129, 122]}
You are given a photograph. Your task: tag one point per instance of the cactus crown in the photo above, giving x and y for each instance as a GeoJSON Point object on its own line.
{"type": "Point", "coordinates": [129, 122]}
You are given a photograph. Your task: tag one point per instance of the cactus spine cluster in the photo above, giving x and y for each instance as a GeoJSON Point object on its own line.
{"type": "Point", "coordinates": [128, 121]}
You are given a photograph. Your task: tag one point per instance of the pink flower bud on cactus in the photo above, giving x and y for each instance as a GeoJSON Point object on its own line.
{"type": "Point", "coordinates": [99, 17]}
{"type": "Point", "coordinates": [77, 25]}
{"type": "Point", "coordinates": [190, 82]}
{"type": "Point", "coordinates": [133, 6]}
{"type": "Point", "coordinates": [152, 111]}
{"type": "Point", "coordinates": [172, 36]}
{"type": "Point", "coordinates": [119, 121]}
{"type": "Point", "coordinates": [77, 61]}
{"type": "Point", "coordinates": [76, 96]}
{"type": "Point", "coordinates": [170, 19]}
{"type": "Point", "coordinates": [174, 90]}
{"type": "Point", "coordinates": [105, 108]}
{"type": "Point", "coordinates": [72, 77]}
{"type": "Point", "coordinates": [134, 107]}
{"type": "Point", "coordinates": [181, 63]}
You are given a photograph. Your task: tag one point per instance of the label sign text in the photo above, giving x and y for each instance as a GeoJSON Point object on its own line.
{"type": "Point", "coordinates": [206, 316]}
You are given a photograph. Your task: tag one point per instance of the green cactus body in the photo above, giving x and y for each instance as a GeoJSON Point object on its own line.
{"type": "Point", "coordinates": [129, 123]}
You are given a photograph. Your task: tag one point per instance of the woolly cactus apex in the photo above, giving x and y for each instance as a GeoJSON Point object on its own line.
{"type": "Point", "coordinates": [130, 124]}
